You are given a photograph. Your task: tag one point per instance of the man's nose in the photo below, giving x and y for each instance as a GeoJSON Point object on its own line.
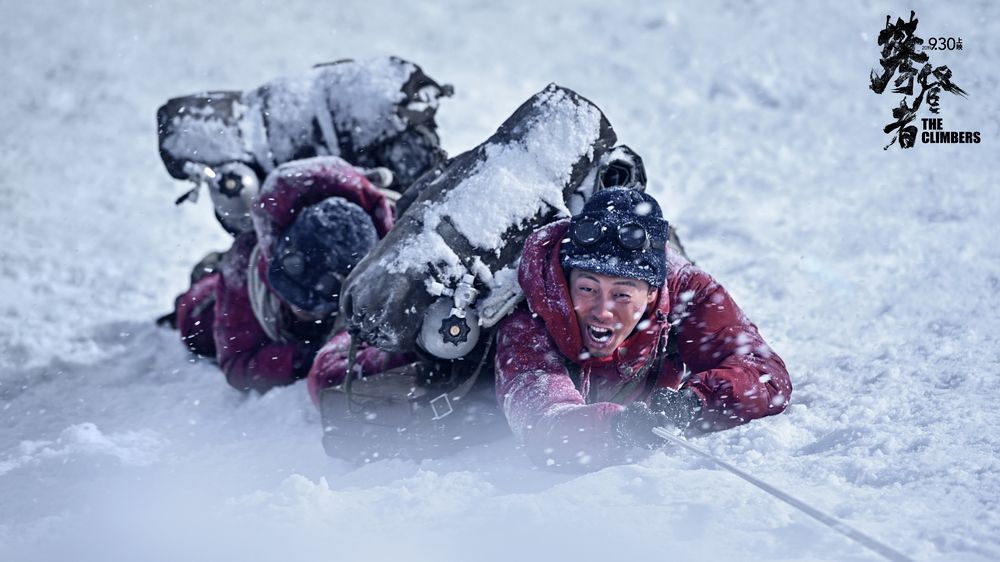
{"type": "Point", "coordinates": [605, 307]}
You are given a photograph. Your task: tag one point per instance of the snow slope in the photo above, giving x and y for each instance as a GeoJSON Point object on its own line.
{"type": "Point", "coordinates": [874, 273]}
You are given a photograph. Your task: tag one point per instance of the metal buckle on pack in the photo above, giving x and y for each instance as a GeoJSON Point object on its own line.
{"type": "Point", "coordinates": [441, 406]}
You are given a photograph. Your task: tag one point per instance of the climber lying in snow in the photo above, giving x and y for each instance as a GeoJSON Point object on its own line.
{"type": "Point", "coordinates": [621, 334]}
{"type": "Point", "coordinates": [377, 114]}
{"type": "Point", "coordinates": [277, 294]}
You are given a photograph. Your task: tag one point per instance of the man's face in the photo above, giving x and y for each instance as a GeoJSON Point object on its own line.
{"type": "Point", "coordinates": [607, 308]}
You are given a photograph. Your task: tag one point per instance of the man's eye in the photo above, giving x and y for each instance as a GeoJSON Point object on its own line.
{"type": "Point", "coordinates": [623, 297]}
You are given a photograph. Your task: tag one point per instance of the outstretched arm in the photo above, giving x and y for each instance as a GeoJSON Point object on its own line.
{"type": "Point", "coordinates": [735, 373]}
{"type": "Point", "coordinates": [543, 407]}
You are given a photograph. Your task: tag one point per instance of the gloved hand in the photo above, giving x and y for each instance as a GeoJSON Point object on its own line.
{"type": "Point", "coordinates": [379, 177]}
{"type": "Point", "coordinates": [678, 407]}
{"type": "Point", "coordinates": [168, 319]}
{"type": "Point", "coordinates": [207, 266]}
{"type": "Point", "coordinates": [305, 354]}
{"type": "Point", "coordinates": [634, 426]}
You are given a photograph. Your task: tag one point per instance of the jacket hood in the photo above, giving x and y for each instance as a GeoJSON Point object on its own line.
{"type": "Point", "coordinates": [546, 290]}
{"type": "Point", "coordinates": [301, 183]}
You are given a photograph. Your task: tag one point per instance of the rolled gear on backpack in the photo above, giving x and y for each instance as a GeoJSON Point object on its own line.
{"type": "Point", "coordinates": [373, 113]}
{"type": "Point", "coordinates": [449, 267]}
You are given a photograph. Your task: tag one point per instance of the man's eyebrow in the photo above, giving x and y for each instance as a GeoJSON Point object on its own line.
{"type": "Point", "coordinates": [628, 282]}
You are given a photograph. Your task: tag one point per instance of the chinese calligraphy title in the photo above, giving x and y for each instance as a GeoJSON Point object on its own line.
{"type": "Point", "coordinates": [900, 54]}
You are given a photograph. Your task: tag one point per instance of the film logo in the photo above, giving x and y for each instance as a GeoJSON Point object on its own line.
{"type": "Point", "coordinates": [904, 59]}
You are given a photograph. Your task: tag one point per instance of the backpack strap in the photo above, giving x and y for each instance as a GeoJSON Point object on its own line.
{"type": "Point", "coordinates": [662, 350]}
{"type": "Point", "coordinates": [673, 354]}
{"type": "Point", "coordinates": [441, 405]}
{"type": "Point", "coordinates": [352, 357]}
{"type": "Point", "coordinates": [264, 303]}
{"type": "Point", "coordinates": [666, 349]}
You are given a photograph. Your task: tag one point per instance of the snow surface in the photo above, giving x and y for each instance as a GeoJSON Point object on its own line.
{"type": "Point", "coordinates": [874, 273]}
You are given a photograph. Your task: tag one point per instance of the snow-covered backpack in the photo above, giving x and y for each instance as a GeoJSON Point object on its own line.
{"type": "Point", "coordinates": [448, 268]}
{"type": "Point", "coordinates": [377, 113]}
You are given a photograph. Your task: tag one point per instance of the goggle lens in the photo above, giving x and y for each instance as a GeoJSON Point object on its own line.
{"type": "Point", "coordinates": [328, 285]}
{"type": "Point", "coordinates": [587, 232]}
{"type": "Point", "coordinates": [293, 263]}
{"type": "Point", "coordinates": [633, 236]}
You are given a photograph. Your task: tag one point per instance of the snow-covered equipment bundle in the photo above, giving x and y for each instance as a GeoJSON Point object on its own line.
{"type": "Point", "coordinates": [447, 273]}
{"type": "Point", "coordinates": [448, 269]}
{"type": "Point", "coordinates": [377, 113]}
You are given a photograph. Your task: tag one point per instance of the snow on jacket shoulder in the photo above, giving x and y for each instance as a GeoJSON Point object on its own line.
{"type": "Point", "coordinates": [561, 403]}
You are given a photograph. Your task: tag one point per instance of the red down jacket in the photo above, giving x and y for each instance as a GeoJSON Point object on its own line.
{"type": "Point", "coordinates": [248, 354]}
{"type": "Point", "coordinates": [567, 422]}
{"type": "Point", "coordinates": [195, 310]}
{"type": "Point", "coordinates": [330, 366]}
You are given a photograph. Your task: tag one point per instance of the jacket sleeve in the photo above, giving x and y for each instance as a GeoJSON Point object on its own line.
{"type": "Point", "coordinates": [247, 356]}
{"type": "Point", "coordinates": [735, 373]}
{"type": "Point", "coordinates": [542, 405]}
{"type": "Point", "coordinates": [195, 310]}
{"type": "Point", "coordinates": [330, 366]}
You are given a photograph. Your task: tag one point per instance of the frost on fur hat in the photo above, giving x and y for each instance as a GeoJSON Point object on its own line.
{"type": "Point", "coordinates": [319, 249]}
{"type": "Point", "coordinates": [620, 232]}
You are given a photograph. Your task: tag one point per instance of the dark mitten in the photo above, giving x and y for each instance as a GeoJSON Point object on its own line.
{"type": "Point", "coordinates": [379, 177]}
{"type": "Point", "coordinates": [207, 266]}
{"type": "Point", "coordinates": [634, 426]}
{"type": "Point", "coordinates": [678, 407]}
{"type": "Point", "coordinates": [168, 319]}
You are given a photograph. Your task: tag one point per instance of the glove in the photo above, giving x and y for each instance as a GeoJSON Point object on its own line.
{"type": "Point", "coordinates": [207, 266]}
{"type": "Point", "coordinates": [634, 426]}
{"type": "Point", "coordinates": [678, 407]}
{"type": "Point", "coordinates": [305, 354]}
{"type": "Point", "coordinates": [168, 319]}
{"type": "Point", "coordinates": [379, 177]}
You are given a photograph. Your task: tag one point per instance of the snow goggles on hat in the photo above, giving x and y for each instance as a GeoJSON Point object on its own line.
{"type": "Point", "coordinates": [631, 235]}
{"type": "Point", "coordinates": [294, 264]}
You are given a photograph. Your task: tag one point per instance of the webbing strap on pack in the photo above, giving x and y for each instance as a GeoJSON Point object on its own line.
{"type": "Point", "coordinates": [441, 405]}
{"type": "Point", "coordinates": [352, 356]}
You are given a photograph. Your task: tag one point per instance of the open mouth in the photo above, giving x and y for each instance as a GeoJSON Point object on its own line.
{"type": "Point", "coordinates": [598, 334]}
